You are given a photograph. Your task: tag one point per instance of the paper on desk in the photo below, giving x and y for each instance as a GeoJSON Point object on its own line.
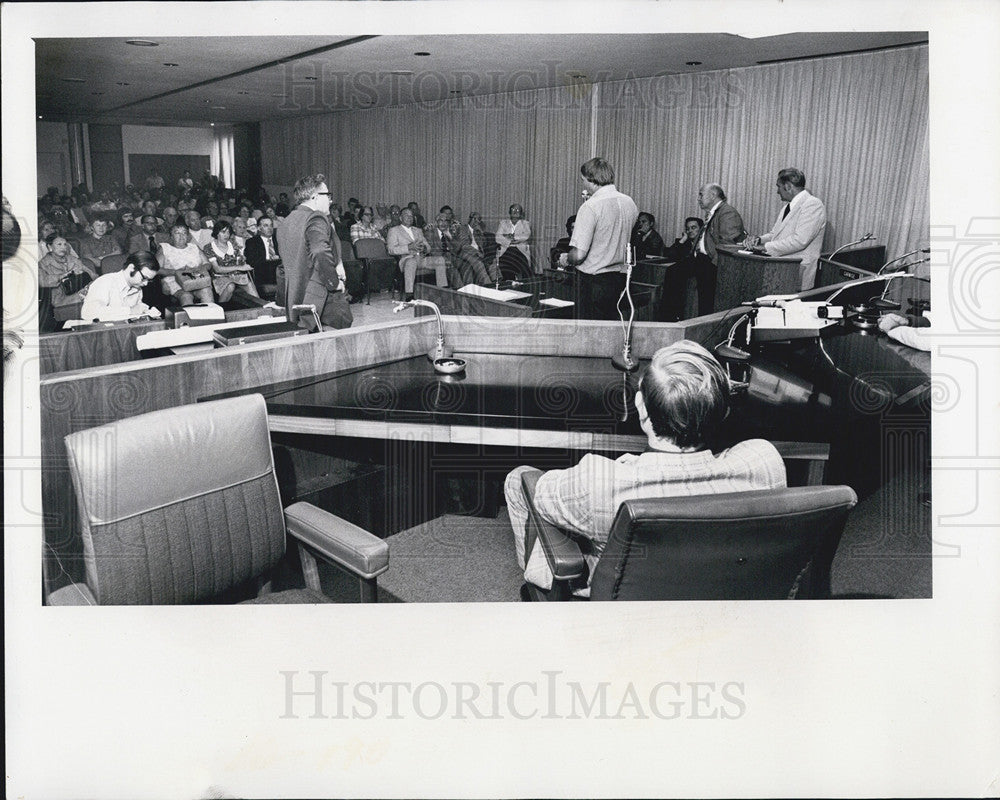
{"type": "Point", "coordinates": [555, 302]}
{"type": "Point", "coordinates": [493, 294]}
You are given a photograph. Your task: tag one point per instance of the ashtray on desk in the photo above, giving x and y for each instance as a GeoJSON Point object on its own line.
{"type": "Point", "coordinates": [449, 366]}
{"type": "Point", "coordinates": [865, 316]}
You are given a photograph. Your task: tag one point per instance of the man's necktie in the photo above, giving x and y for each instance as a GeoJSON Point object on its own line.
{"type": "Point", "coordinates": [784, 213]}
{"type": "Point", "coordinates": [152, 244]}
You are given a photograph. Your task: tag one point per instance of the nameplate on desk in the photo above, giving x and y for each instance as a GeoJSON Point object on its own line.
{"type": "Point", "coordinates": [248, 334]}
{"type": "Point", "coordinates": [504, 295]}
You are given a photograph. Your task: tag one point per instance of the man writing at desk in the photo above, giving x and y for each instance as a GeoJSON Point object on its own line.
{"type": "Point", "coordinates": [118, 295]}
{"type": "Point", "coordinates": [798, 232]}
{"type": "Point", "coordinates": [681, 400]}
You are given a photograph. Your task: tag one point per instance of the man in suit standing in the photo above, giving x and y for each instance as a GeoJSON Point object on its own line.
{"type": "Point", "coordinates": [314, 272]}
{"type": "Point", "coordinates": [723, 225]}
{"type": "Point", "coordinates": [262, 254]}
{"type": "Point", "coordinates": [798, 232]}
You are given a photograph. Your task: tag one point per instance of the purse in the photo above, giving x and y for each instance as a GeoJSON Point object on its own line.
{"type": "Point", "coordinates": [74, 282]}
{"type": "Point", "coordinates": [194, 284]}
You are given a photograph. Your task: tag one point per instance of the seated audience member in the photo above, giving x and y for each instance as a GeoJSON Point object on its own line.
{"type": "Point", "coordinates": [148, 239]}
{"type": "Point", "coordinates": [512, 236]}
{"type": "Point", "coordinates": [185, 182]}
{"type": "Point", "coordinates": [282, 209]}
{"type": "Point", "coordinates": [438, 236]}
{"type": "Point", "coordinates": [98, 244]}
{"type": "Point", "coordinates": [418, 218]}
{"type": "Point", "coordinates": [449, 213]}
{"type": "Point", "coordinates": [154, 182]}
{"type": "Point", "coordinates": [394, 219]}
{"type": "Point", "coordinates": [407, 241]}
{"type": "Point", "coordinates": [184, 269]}
{"type": "Point", "coordinates": [911, 330]}
{"type": "Point", "coordinates": [230, 272]}
{"type": "Point", "coordinates": [57, 269]}
{"type": "Point", "coordinates": [240, 232]}
{"type": "Point", "coordinates": [682, 399]}
{"type": "Point", "coordinates": [383, 219]}
{"type": "Point", "coordinates": [45, 230]}
{"type": "Point", "coordinates": [646, 241]}
{"type": "Point", "coordinates": [353, 212]}
{"type": "Point", "coordinates": [562, 246]}
{"type": "Point", "coordinates": [365, 228]}
{"type": "Point", "coordinates": [688, 261]}
{"type": "Point", "coordinates": [477, 237]}
{"type": "Point", "coordinates": [170, 215]}
{"type": "Point", "coordinates": [118, 295]}
{"type": "Point", "coordinates": [467, 260]}
{"type": "Point", "coordinates": [262, 254]}
{"type": "Point", "coordinates": [125, 229]}
{"type": "Point", "coordinates": [104, 204]}
{"type": "Point", "coordinates": [196, 231]}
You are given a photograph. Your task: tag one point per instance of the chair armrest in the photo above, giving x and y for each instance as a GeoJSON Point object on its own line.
{"type": "Point", "coordinates": [76, 594]}
{"type": "Point", "coordinates": [337, 540]}
{"type": "Point", "coordinates": [562, 553]}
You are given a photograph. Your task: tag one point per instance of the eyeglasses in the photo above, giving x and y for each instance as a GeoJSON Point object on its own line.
{"type": "Point", "coordinates": [325, 194]}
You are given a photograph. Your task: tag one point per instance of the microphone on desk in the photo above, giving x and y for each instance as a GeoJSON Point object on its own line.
{"type": "Point", "coordinates": [624, 361]}
{"type": "Point", "coordinates": [901, 267]}
{"type": "Point", "coordinates": [867, 237]}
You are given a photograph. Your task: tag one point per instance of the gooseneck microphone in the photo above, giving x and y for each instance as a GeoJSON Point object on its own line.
{"type": "Point", "coordinates": [901, 267]}
{"type": "Point", "coordinates": [624, 360]}
{"type": "Point", "coordinates": [867, 237]}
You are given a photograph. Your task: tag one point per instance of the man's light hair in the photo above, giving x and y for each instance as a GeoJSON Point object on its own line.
{"type": "Point", "coordinates": [686, 393]}
{"type": "Point", "coordinates": [793, 176]}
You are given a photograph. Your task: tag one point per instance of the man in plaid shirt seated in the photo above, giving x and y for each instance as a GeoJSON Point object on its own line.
{"type": "Point", "coordinates": [682, 399]}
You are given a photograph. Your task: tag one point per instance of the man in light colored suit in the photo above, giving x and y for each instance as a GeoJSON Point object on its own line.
{"type": "Point", "coordinates": [798, 233]}
{"type": "Point", "coordinates": [408, 241]}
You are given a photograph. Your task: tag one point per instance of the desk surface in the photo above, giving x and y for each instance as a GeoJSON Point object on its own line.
{"type": "Point", "coordinates": [837, 389]}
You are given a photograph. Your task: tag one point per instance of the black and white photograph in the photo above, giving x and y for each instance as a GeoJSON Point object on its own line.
{"type": "Point", "coordinates": [440, 325]}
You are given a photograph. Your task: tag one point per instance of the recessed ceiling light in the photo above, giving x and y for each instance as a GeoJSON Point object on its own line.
{"type": "Point", "coordinates": [39, 116]}
{"type": "Point", "coordinates": [122, 83]}
{"type": "Point", "coordinates": [311, 78]}
{"type": "Point", "coordinates": [141, 43]}
{"type": "Point", "coordinates": [220, 108]}
{"type": "Point", "coordinates": [170, 64]}
{"type": "Point", "coordinates": [421, 53]}
{"type": "Point", "coordinates": [693, 63]}
{"type": "Point", "coordinates": [74, 80]}
{"type": "Point", "coordinates": [212, 124]}
{"type": "Point", "coordinates": [97, 93]}
{"type": "Point", "coordinates": [243, 92]}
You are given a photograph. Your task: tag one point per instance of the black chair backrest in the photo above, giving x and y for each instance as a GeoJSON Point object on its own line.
{"type": "Point", "coordinates": [761, 545]}
{"type": "Point", "coordinates": [370, 248]}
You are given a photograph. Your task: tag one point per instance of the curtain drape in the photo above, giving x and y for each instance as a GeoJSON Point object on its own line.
{"type": "Point", "coordinates": [223, 157]}
{"type": "Point", "coordinates": [857, 125]}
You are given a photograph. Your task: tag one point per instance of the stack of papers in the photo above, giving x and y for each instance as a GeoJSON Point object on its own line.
{"type": "Point", "coordinates": [504, 295]}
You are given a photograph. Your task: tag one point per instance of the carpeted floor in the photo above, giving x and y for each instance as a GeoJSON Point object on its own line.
{"type": "Point", "coordinates": [885, 553]}
{"type": "Point", "coordinates": [451, 559]}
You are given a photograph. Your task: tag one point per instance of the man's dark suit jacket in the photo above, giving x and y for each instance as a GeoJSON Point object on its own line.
{"type": "Point", "coordinates": [725, 227]}
{"type": "Point", "coordinates": [256, 256]}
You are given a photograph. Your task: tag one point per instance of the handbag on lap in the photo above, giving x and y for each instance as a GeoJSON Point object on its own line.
{"type": "Point", "coordinates": [74, 282]}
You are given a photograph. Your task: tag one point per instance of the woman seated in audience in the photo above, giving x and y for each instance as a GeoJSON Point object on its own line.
{"type": "Point", "coordinates": [230, 271]}
{"type": "Point", "coordinates": [365, 228]}
{"type": "Point", "coordinates": [512, 243]}
{"type": "Point", "coordinates": [184, 270]}
{"type": "Point", "coordinates": [56, 282]}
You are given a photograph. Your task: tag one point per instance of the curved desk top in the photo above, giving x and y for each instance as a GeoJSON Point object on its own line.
{"type": "Point", "coordinates": [740, 253]}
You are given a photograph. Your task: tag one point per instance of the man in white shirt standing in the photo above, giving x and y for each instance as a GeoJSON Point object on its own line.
{"type": "Point", "coordinates": [798, 232]}
{"type": "Point", "coordinates": [118, 295]}
{"type": "Point", "coordinates": [600, 237]}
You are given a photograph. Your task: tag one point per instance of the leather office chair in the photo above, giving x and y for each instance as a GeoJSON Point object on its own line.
{"type": "Point", "coordinates": [181, 505]}
{"type": "Point", "coordinates": [760, 545]}
{"type": "Point", "coordinates": [381, 269]}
